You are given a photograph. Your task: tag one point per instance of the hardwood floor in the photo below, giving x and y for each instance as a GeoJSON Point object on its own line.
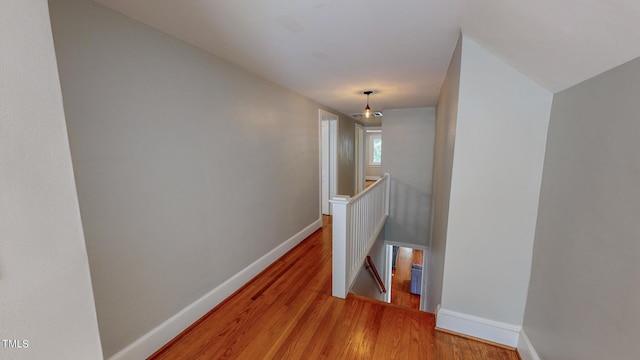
{"type": "Point", "coordinates": [287, 312]}
{"type": "Point", "coordinates": [401, 284]}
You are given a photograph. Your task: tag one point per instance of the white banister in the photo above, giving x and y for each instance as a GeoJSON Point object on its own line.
{"type": "Point", "coordinates": [357, 222]}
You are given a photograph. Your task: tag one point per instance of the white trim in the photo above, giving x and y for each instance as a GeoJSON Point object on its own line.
{"type": "Point", "coordinates": [372, 177]}
{"type": "Point", "coordinates": [333, 159]}
{"type": "Point", "coordinates": [490, 330]}
{"type": "Point", "coordinates": [424, 306]}
{"type": "Point", "coordinates": [360, 158]}
{"type": "Point", "coordinates": [333, 121]}
{"type": "Point", "coordinates": [388, 271]}
{"type": "Point", "coordinates": [370, 138]}
{"type": "Point", "coordinates": [406, 245]}
{"type": "Point", "coordinates": [320, 199]}
{"type": "Point", "coordinates": [525, 348]}
{"type": "Point", "coordinates": [163, 333]}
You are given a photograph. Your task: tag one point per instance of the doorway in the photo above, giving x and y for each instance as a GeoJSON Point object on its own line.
{"type": "Point", "coordinates": [328, 124]}
{"type": "Point", "coordinates": [373, 141]}
{"type": "Point", "coordinates": [406, 275]}
{"type": "Point", "coordinates": [360, 170]}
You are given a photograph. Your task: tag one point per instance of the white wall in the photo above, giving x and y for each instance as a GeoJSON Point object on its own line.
{"type": "Point", "coordinates": [497, 168]}
{"type": "Point", "coordinates": [584, 297]}
{"type": "Point", "coordinates": [408, 142]}
{"type": "Point", "coordinates": [192, 173]}
{"type": "Point", "coordinates": [45, 287]}
{"type": "Point", "coordinates": [446, 116]}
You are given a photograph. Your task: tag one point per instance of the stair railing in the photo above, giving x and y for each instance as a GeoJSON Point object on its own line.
{"type": "Point", "coordinates": [357, 222]}
{"type": "Point", "coordinates": [371, 267]}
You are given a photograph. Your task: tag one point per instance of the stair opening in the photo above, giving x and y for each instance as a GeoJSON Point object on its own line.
{"type": "Point", "coordinates": [406, 276]}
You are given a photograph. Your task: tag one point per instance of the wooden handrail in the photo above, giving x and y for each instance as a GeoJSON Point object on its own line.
{"type": "Point", "coordinates": [374, 272]}
{"type": "Point", "coordinates": [369, 188]}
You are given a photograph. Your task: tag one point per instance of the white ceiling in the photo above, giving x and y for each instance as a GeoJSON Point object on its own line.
{"type": "Point", "coordinates": [332, 50]}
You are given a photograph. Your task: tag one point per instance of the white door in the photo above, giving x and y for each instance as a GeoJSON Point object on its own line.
{"type": "Point", "coordinates": [360, 177]}
{"type": "Point", "coordinates": [325, 167]}
{"type": "Point", "coordinates": [328, 133]}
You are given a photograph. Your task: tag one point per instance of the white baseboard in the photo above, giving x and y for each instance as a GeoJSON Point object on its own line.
{"type": "Point", "coordinates": [494, 331]}
{"type": "Point", "coordinates": [525, 348]}
{"type": "Point", "coordinates": [163, 333]}
{"type": "Point", "coordinates": [369, 177]}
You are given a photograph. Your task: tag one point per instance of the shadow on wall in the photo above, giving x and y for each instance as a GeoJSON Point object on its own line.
{"type": "Point", "coordinates": [408, 220]}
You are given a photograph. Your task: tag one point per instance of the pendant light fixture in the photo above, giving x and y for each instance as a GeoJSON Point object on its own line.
{"type": "Point", "coordinates": [367, 110]}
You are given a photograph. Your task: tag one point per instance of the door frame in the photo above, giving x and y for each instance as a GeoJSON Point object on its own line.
{"type": "Point", "coordinates": [332, 121]}
{"type": "Point", "coordinates": [360, 158]}
{"type": "Point", "coordinates": [388, 270]}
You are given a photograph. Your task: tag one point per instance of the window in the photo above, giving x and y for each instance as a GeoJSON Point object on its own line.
{"type": "Point", "coordinates": [375, 149]}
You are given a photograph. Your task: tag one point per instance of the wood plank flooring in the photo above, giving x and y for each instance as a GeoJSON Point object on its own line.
{"type": "Point", "coordinates": [401, 284]}
{"type": "Point", "coordinates": [287, 312]}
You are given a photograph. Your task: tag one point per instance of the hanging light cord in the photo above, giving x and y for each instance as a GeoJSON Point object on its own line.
{"type": "Point", "coordinates": [367, 110]}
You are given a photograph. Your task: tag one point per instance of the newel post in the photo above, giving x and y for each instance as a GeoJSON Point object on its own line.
{"type": "Point", "coordinates": [339, 261]}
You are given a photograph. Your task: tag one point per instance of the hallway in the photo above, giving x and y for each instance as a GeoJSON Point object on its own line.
{"type": "Point", "coordinates": [287, 312]}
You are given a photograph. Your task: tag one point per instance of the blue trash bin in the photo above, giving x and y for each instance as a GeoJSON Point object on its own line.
{"type": "Point", "coordinates": [416, 278]}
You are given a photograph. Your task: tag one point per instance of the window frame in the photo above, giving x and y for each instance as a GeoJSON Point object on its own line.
{"type": "Point", "coordinates": [373, 136]}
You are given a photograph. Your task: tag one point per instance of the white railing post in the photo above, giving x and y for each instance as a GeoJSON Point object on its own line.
{"type": "Point", "coordinates": [341, 221]}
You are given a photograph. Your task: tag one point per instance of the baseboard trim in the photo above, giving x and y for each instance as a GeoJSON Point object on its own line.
{"type": "Point", "coordinates": [477, 327]}
{"type": "Point", "coordinates": [149, 343]}
{"type": "Point", "coordinates": [526, 349]}
{"type": "Point", "coordinates": [371, 177]}
{"type": "Point", "coordinates": [511, 348]}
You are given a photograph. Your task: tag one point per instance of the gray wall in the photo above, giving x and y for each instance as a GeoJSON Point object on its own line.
{"type": "Point", "coordinates": [446, 116]}
{"type": "Point", "coordinates": [584, 294]}
{"type": "Point", "coordinates": [408, 142]}
{"type": "Point", "coordinates": [346, 148]}
{"type": "Point", "coordinates": [45, 287]}
{"type": "Point", "coordinates": [188, 168]}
